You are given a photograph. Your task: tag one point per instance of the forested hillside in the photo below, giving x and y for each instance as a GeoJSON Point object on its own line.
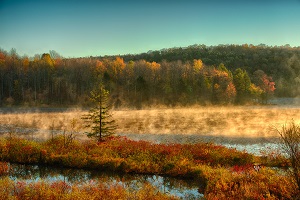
{"type": "Point", "coordinates": [280, 62]}
{"type": "Point", "coordinates": [198, 74]}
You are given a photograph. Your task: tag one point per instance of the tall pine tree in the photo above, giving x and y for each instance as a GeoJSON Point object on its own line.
{"type": "Point", "coordinates": [99, 119]}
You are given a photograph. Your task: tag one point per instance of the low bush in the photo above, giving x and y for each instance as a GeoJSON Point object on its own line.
{"type": "Point", "coordinates": [225, 173]}
{"type": "Point", "coordinates": [20, 151]}
{"type": "Point", "coordinates": [4, 168]}
{"type": "Point", "coordinates": [61, 190]}
{"type": "Point", "coordinates": [249, 184]}
{"type": "Point", "coordinates": [121, 154]}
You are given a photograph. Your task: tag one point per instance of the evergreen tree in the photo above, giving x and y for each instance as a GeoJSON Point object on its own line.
{"type": "Point", "coordinates": [99, 118]}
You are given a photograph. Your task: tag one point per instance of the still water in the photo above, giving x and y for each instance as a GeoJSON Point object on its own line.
{"type": "Point", "coordinates": [184, 189]}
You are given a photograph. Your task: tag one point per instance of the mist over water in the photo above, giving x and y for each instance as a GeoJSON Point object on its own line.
{"type": "Point", "coordinates": [250, 121]}
{"type": "Point", "coordinates": [231, 125]}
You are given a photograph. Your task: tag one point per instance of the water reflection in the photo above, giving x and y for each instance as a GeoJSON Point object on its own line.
{"type": "Point", "coordinates": [258, 149]}
{"type": "Point", "coordinates": [186, 189]}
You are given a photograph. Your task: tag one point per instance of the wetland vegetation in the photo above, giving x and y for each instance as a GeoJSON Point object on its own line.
{"type": "Point", "coordinates": [223, 172]}
{"type": "Point", "coordinates": [174, 118]}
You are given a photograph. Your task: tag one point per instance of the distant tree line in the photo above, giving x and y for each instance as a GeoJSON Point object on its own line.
{"type": "Point", "coordinates": [280, 62]}
{"type": "Point", "coordinates": [225, 74]}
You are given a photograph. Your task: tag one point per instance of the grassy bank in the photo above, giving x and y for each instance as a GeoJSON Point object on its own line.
{"type": "Point", "coordinates": [11, 190]}
{"type": "Point", "coordinates": [225, 173]}
{"type": "Point", "coordinates": [123, 155]}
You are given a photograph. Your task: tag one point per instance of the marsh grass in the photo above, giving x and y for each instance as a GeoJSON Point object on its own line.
{"type": "Point", "coordinates": [225, 173]}
{"type": "Point", "coordinates": [290, 139]}
{"type": "Point", "coordinates": [121, 154]}
{"type": "Point", "coordinates": [10, 190]}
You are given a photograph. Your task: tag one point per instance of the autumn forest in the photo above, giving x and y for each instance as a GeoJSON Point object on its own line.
{"type": "Point", "coordinates": [198, 74]}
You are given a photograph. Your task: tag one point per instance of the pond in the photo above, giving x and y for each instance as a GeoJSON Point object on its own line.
{"type": "Point", "coordinates": [254, 145]}
{"type": "Point", "coordinates": [182, 188]}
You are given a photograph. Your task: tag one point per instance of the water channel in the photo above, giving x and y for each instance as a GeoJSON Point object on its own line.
{"type": "Point", "coordinates": [182, 188]}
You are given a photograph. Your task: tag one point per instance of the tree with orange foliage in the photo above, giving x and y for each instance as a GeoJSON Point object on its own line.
{"type": "Point", "coordinates": [118, 66]}
{"type": "Point", "coordinates": [266, 84]}
{"type": "Point", "coordinates": [223, 88]}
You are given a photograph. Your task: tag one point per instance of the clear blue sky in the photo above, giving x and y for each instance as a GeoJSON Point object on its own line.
{"type": "Point", "coordinates": [76, 28]}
